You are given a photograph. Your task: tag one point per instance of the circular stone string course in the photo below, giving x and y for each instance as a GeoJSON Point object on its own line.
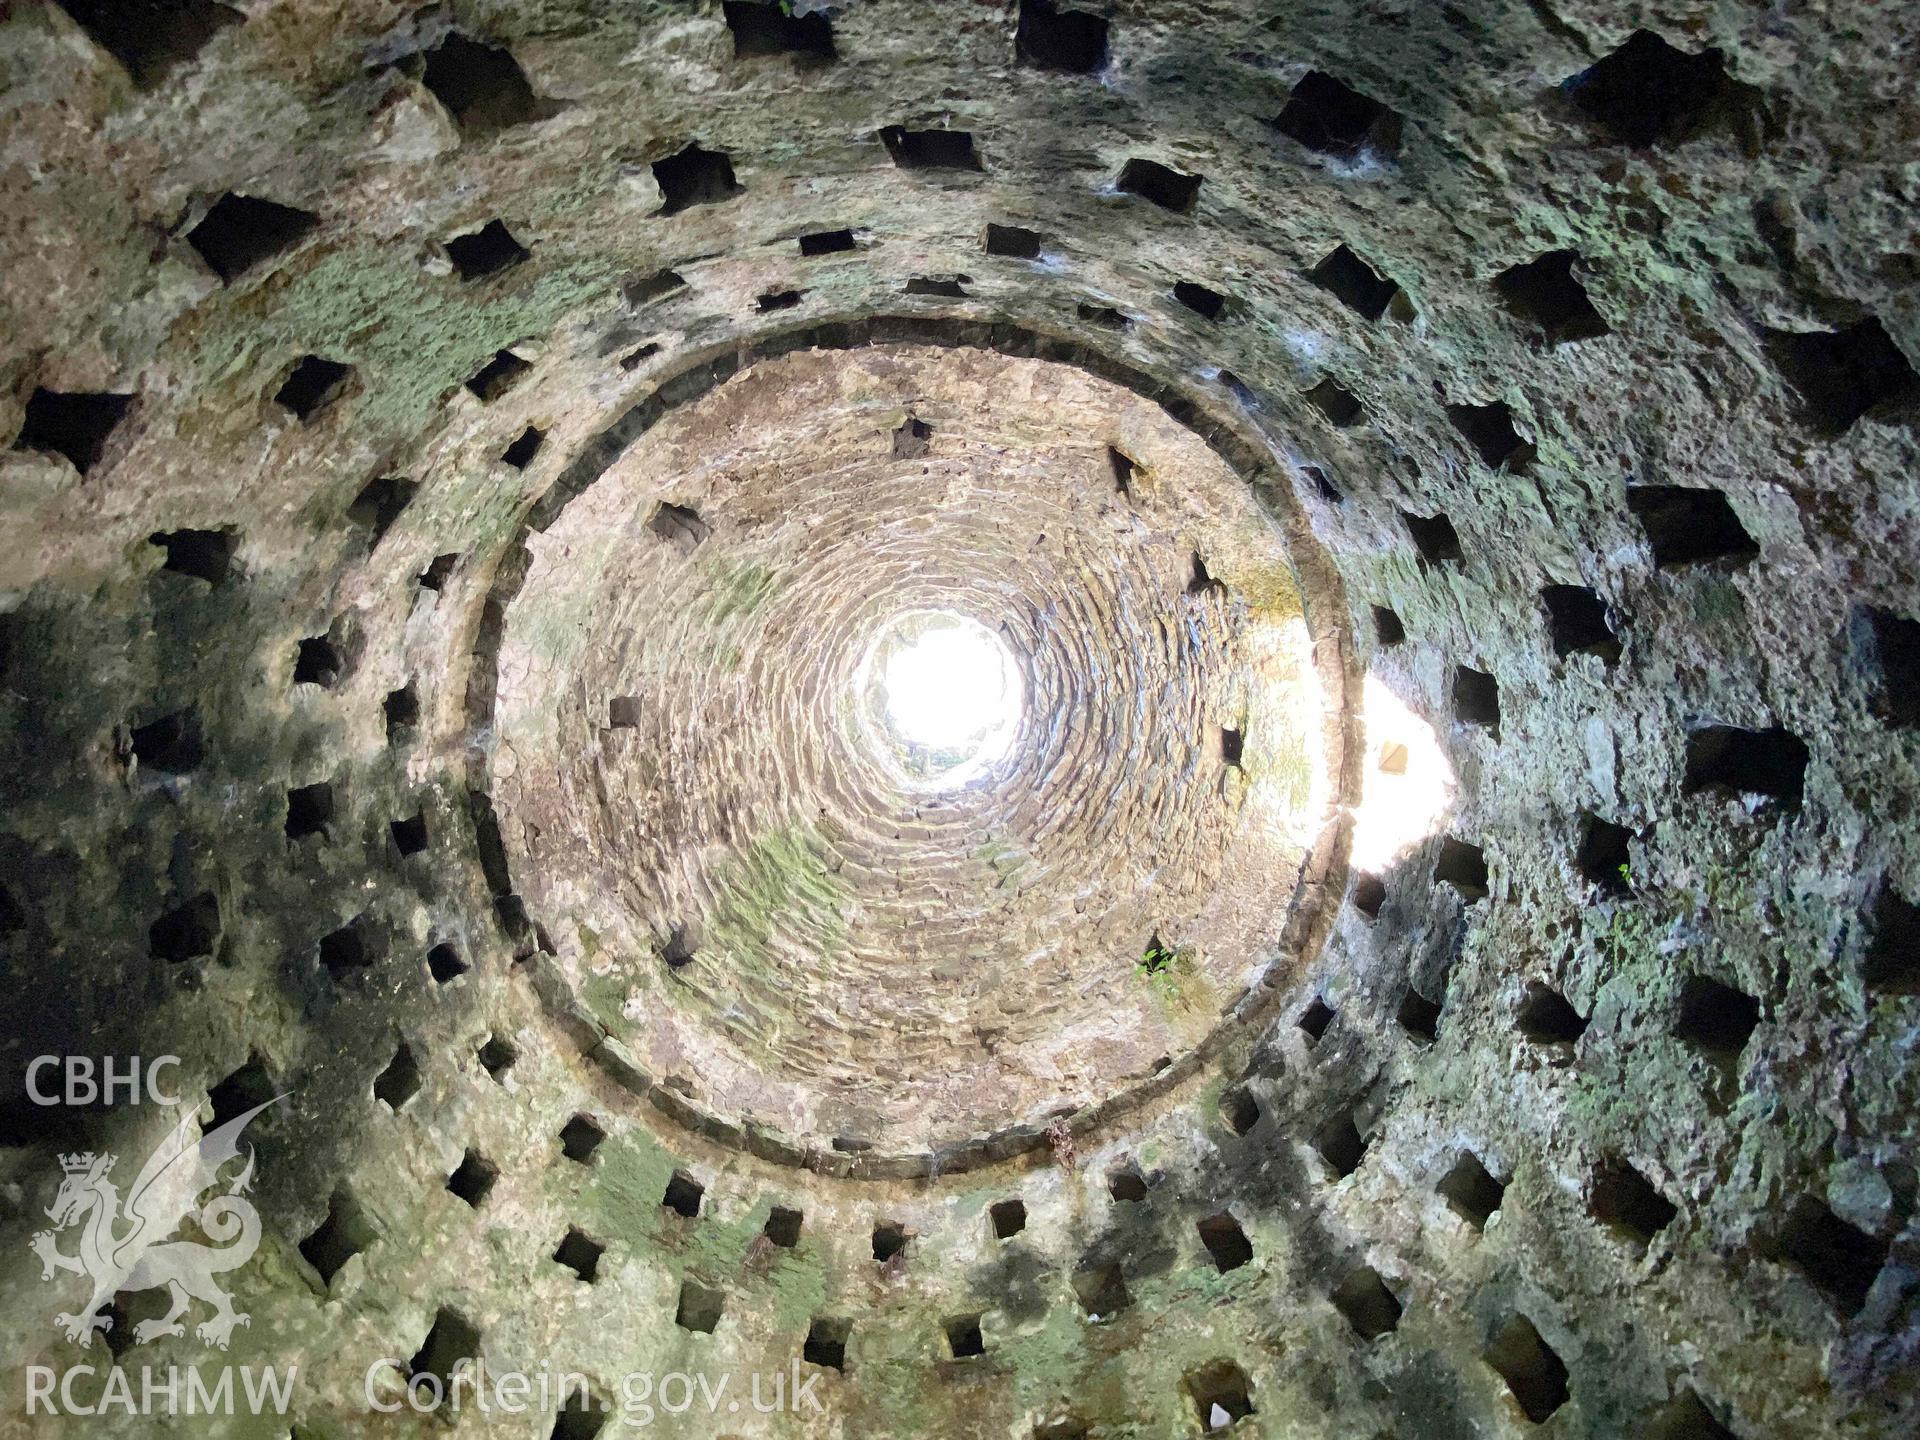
{"type": "Point", "coordinates": [812, 923]}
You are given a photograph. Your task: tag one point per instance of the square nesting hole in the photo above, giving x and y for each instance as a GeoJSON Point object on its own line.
{"type": "Point", "coordinates": [580, 1137]}
{"type": "Point", "coordinates": [1535, 1376]}
{"type": "Point", "coordinates": [1838, 1258]}
{"type": "Point", "coordinates": [683, 1195]}
{"type": "Point", "coordinates": [445, 963]}
{"type": "Point", "coordinates": [1366, 1302]}
{"type": "Point", "coordinates": [1126, 1183]}
{"type": "Point", "coordinates": [497, 1056]}
{"type": "Point", "coordinates": [1368, 893]}
{"type": "Point", "coordinates": [400, 1081]}
{"type": "Point", "coordinates": [581, 1254]}
{"type": "Point", "coordinates": [1716, 1019]}
{"type": "Point", "coordinates": [1546, 1017]}
{"type": "Point", "coordinates": [1221, 1395]}
{"type": "Point", "coordinates": [1419, 1016]}
{"type": "Point", "coordinates": [1226, 1242]}
{"type": "Point", "coordinates": [1686, 1417]}
{"type": "Point", "coordinates": [1624, 1200]}
{"type": "Point", "coordinates": [1009, 1218]}
{"type": "Point", "coordinates": [344, 1233]}
{"type": "Point", "coordinates": [964, 1337]}
{"type": "Point", "coordinates": [889, 1239]}
{"type": "Point", "coordinates": [699, 1309]}
{"type": "Point", "coordinates": [783, 1227]}
{"type": "Point", "coordinates": [473, 1177]}
{"type": "Point", "coordinates": [1471, 1191]}
{"type": "Point", "coordinates": [1239, 1111]}
{"type": "Point", "coordinates": [826, 1342]}
{"type": "Point", "coordinates": [1101, 1289]}
{"type": "Point", "coordinates": [1891, 965]}
{"type": "Point", "coordinates": [1339, 1143]}
{"type": "Point", "coordinates": [1314, 1020]}
{"type": "Point", "coordinates": [452, 1339]}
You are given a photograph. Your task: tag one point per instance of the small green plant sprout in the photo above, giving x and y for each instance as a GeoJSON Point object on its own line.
{"type": "Point", "coordinates": [1163, 966]}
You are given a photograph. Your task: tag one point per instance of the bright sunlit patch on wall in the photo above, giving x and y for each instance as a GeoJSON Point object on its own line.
{"type": "Point", "coordinates": [943, 698]}
{"type": "Point", "coordinates": [1408, 785]}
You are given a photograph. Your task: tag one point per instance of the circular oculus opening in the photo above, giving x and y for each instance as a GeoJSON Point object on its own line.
{"type": "Point", "coordinates": [942, 699]}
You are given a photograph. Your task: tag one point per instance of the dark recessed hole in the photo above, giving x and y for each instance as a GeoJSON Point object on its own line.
{"type": "Point", "coordinates": [151, 37]}
{"type": "Point", "coordinates": [1339, 1144]}
{"type": "Point", "coordinates": [889, 1239]}
{"type": "Point", "coordinates": [170, 744]}
{"type": "Point", "coordinates": [1546, 293]}
{"type": "Point", "coordinates": [778, 300]}
{"type": "Point", "coordinates": [651, 287]}
{"type": "Point", "coordinates": [1199, 299]}
{"type": "Point", "coordinates": [581, 1254]}
{"type": "Point", "coordinates": [1101, 1290]}
{"type": "Point", "coordinates": [699, 1309]}
{"type": "Point", "coordinates": [309, 810]}
{"type": "Point", "coordinates": [1127, 1183]}
{"type": "Point", "coordinates": [1602, 858]}
{"type": "Point", "coordinates": [826, 1342]}
{"type": "Point", "coordinates": [1462, 866]}
{"type": "Point", "coordinates": [678, 949]}
{"type": "Point", "coordinates": [1772, 762]}
{"type": "Point", "coordinates": [1233, 744]}
{"type": "Point", "coordinates": [1685, 1418]}
{"type": "Point", "coordinates": [1315, 1019]}
{"type": "Point", "coordinates": [1369, 1306]}
{"type": "Point", "coordinates": [1199, 581]}
{"type": "Point", "coordinates": [1648, 93]}
{"type": "Point", "coordinates": [318, 661]}
{"type": "Point", "coordinates": [827, 242]}
{"type": "Point", "coordinates": [1322, 486]}
{"type": "Point", "coordinates": [486, 251]}
{"type": "Point", "coordinates": [1105, 316]}
{"type": "Point", "coordinates": [1577, 621]}
{"type": "Point", "coordinates": [498, 375]}
{"type": "Point", "coordinates": [452, 1339]}
{"type": "Point", "coordinates": [775, 29]}
{"type": "Point", "coordinates": [482, 86]}
{"type": "Point", "coordinates": [1387, 628]}
{"type": "Point", "coordinates": [410, 835]}
{"type": "Point", "coordinates": [497, 1056]}
{"type": "Point", "coordinates": [1239, 1110]}
{"type": "Point", "coordinates": [964, 1340]}
{"type": "Point", "coordinates": [345, 1232]}
{"type": "Point", "coordinates": [1433, 536]}
{"type": "Point", "coordinates": [1368, 893]}
{"type": "Point", "coordinates": [1885, 651]}
{"type": "Point", "coordinates": [930, 149]}
{"type": "Point", "coordinates": [678, 525]}
{"type": "Point", "coordinates": [910, 440]}
{"type": "Point", "coordinates": [1840, 1260]}
{"type": "Point", "coordinates": [1327, 116]}
{"type": "Point", "coordinates": [783, 1227]}
{"type": "Point", "coordinates": [683, 1195]}
{"type": "Point", "coordinates": [400, 1081]}
{"type": "Point", "coordinates": [439, 570]}
{"type": "Point", "coordinates": [1623, 1200]}
{"type": "Point", "coordinates": [1226, 1242]}
{"type": "Point", "coordinates": [527, 445]}
{"type": "Point", "coordinates": [580, 1137]}
{"type": "Point", "coordinates": [1842, 375]}
{"type": "Point", "coordinates": [694, 177]}
{"type": "Point", "coordinates": [1124, 468]}
{"type": "Point", "coordinates": [949, 288]}
{"type": "Point", "coordinates": [633, 359]}
{"type": "Point", "coordinates": [1221, 1394]}
{"type": "Point", "coordinates": [1353, 282]}
{"type": "Point", "coordinates": [1009, 1218]}
{"type": "Point", "coordinates": [1476, 698]}
{"type": "Point", "coordinates": [402, 709]}
{"type": "Point", "coordinates": [349, 948]}
{"type": "Point", "coordinates": [1687, 527]}
{"type": "Point", "coordinates": [1418, 1016]}
{"type": "Point", "coordinates": [1063, 1427]}
{"type": "Point", "coordinates": [186, 932]}
{"type": "Point", "coordinates": [1012, 241]}
{"type": "Point", "coordinates": [1716, 1019]}
{"type": "Point", "coordinates": [200, 553]}
{"type": "Point", "coordinates": [1546, 1018]}
{"type": "Point", "coordinates": [74, 424]}
{"type": "Point", "coordinates": [241, 231]}
{"type": "Point", "coordinates": [1333, 400]}
{"type": "Point", "coordinates": [1489, 430]}
{"type": "Point", "coordinates": [312, 385]}
{"type": "Point", "coordinates": [1892, 964]}
{"type": "Point", "coordinates": [379, 504]}
{"type": "Point", "coordinates": [245, 1089]}
{"type": "Point", "coordinates": [1167, 188]}
{"type": "Point", "coordinates": [624, 712]}
{"type": "Point", "coordinates": [445, 963]}
{"type": "Point", "coordinates": [1532, 1371]}
{"type": "Point", "coordinates": [1056, 39]}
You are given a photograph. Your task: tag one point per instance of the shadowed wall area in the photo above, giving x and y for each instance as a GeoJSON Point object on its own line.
{"type": "Point", "coordinates": [1082, 722]}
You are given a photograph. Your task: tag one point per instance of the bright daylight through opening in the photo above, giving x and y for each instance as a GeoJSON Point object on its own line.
{"type": "Point", "coordinates": [943, 698]}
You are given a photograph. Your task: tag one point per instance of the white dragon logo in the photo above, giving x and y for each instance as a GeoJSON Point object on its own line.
{"type": "Point", "coordinates": [168, 1187]}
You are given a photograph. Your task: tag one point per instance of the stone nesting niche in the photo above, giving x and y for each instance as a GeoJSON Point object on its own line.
{"type": "Point", "coordinates": [1088, 718]}
{"type": "Point", "coordinates": [762, 891]}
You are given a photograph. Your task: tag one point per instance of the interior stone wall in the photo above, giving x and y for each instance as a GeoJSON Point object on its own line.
{"type": "Point", "coordinates": [1567, 349]}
